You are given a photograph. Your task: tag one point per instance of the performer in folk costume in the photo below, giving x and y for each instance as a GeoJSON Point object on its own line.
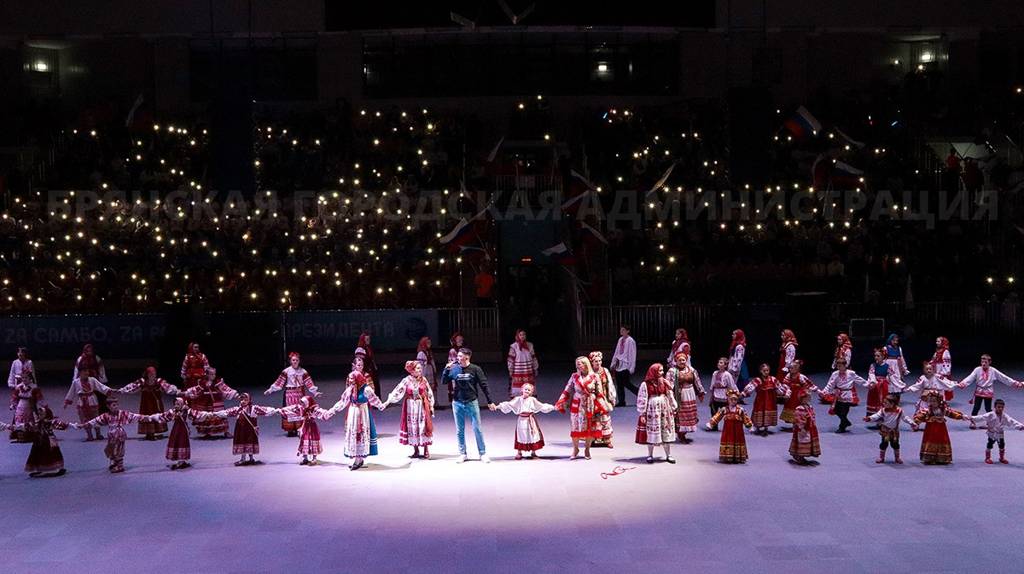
{"type": "Point", "coordinates": [606, 389]}
{"type": "Point", "coordinates": [115, 420]}
{"type": "Point", "coordinates": [92, 365]}
{"type": "Point", "coordinates": [804, 443]}
{"type": "Point", "coordinates": [425, 357]}
{"type": "Point", "coordinates": [996, 422]}
{"type": "Point", "coordinates": [26, 396]}
{"type": "Point", "coordinates": [798, 384]}
{"type": "Point", "coordinates": [943, 362]}
{"type": "Point", "coordinates": [529, 437]}
{"type": "Point", "coordinates": [687, 392]}
{"type": "Point", "coordinates": [928, 383]}
{"type": "Point", "coordinates": [623, 365]}
{"type": "Point", "coordinates": [894, 358]}
{"type": "Point", "coordinates": [416, 396]}
{"type": "Point", "coordinates": [681, 344]}
{"type": "Point", "coordinates": [246, 442]}
{"type": "Point", "coordinates": [19, 365]}
{"type": "Point", "coordinates": [193, 366]}
{"type": "Point", "coordinates": [360, 431]}
{"type": "Point", "coordinates": [585, 404]}
{"type": "Point", "coordinates": [721, 383]}
{"type": "Point", "coordinates": [82, 394]}
{"type": "Point", "coordinates": [888, 420]}
{"type": "Point", "coordinates": [733, 445]}
{"type": "Point", "coordinates": [787, 353]}
{"type": "Point", "coordinates": [45, 458]}
{"type": "Point", "coordinates": [842, 387]}
{"type": "Point", "coordinates": [935, 445]}
{"type": "Point", "coordinates": [179, 447]}
{"type": "Point", "coordinates": [309, 434]}
{"type": "Point", "coordinates": [522, 364]}
{"type": "Point", "coordinates": [737, 357]}
{"type": "Point", "coordinates": [457, 342]}
{"type": "Point", "coordinates": [364, 351]}
{"type": "Point", "coordinates": [878, 379]}
{"type": "Point", "coordinates": [656, 406]}
{"type": "Point", "coordinates": [844, 350]}
{"type": "Point", "coordinates": [766, 410]}
{"type": "Point", "coordinates": [207, 397]}
{"type": "Point", "coordinates": [151, 389]}
{"type": "Point", "coordinates": [296, 383]}
{"type": "Point", "coordinates": [983, 378]}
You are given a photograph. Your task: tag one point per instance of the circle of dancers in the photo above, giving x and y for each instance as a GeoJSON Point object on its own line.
{"type": "Point", "coordinates": [666, 403]}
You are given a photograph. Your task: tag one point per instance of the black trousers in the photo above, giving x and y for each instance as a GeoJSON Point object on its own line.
{"type": "Point", "coordinates": [886, 443]}
{"type": "Point", "coordinates": [623, 382]}
{"type": "Point", "coordinates": [992, 441]}
{"type": "Point", "coordinates": [843, 409]}
{"type": "Point", "coordinates": [977, 405]}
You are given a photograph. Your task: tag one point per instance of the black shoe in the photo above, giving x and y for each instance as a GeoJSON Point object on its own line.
{"type": "Point", "coordinates": [670, 460]}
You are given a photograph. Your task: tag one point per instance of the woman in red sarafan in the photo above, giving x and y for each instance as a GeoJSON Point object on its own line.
{"type": "Point", "coordinates": [151, 389]}
{"type": "Point", "coordinates": [656, 407]}
{"type": "Point", "coordinates": [584, 405]}
{"type": "Point", "coordinates": [193, 367]}
{"type": "Point", "coordinates": [417, 399]}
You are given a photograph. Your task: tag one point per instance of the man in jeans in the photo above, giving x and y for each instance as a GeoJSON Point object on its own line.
{"type": "Point", "coordinates": [467, 378]}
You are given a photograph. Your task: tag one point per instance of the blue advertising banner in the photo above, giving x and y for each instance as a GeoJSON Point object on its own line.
{"type": "Point", "coordinates": [331, 332]}
{"type": "Point", "coordinates": [50, 337]}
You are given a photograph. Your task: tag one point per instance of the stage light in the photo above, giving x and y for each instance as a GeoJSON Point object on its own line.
{"type": "Point", "coordinates": [40, 66]}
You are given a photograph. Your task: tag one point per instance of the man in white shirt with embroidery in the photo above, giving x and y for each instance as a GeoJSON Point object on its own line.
{"type": "Point", "coordinates": [623, 364]}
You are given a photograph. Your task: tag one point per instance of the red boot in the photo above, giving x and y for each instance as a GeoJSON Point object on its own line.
{"type": "Point", "coordinates": [1002, 456]}
{"type": "Point", "coordinates": [988, 457]}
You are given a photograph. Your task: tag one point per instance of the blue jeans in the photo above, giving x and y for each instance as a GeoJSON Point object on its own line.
{"type": "Point", "coordinates": [472, 408]}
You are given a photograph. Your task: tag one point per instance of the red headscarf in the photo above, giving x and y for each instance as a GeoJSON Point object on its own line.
{"type": "Point", "coordinates": [294, 354]}
{"type": "Point", "coordinates": [364, 344]}
{"type": "Point", "coordinates": [655, 382]}
{"type": "Point", "coordinates": [424, 345]}
{"type": "Point", "coordinates": [738, 338]}
{"type": "Point", "coordinates": [410, 366]}
{"type": "Point", "coordinates": [788, 337]}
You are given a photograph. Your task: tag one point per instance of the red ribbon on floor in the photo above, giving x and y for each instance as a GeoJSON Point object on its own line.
{"type": "Point", "coordinates": [616, 471]}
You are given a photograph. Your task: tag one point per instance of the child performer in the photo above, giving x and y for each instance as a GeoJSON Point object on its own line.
{"type": "Point", "coordinates": [296, 383]}
{"type": "Point", "coordinates": [878, 379]}
{"type": "Point", "coordinates": [766, 411]}
{"type": "Point", "coordinates": [737, 354]}
{"type": "Point", "coordinates": [842, 387]}
{"type": "Point", "coordinates": [888, 419]}
{"type": "Point", "coordinates": [151, 401]}
{"type": "Point", "coordinates": [529, 437]}
{"type": "Point", "coordinates": [584, 406]}
{"type": "Point", "coordinates": [935, 445]}
{"type": "Point", "coordinates": [844, 350]}
{"type": "Point", "coordinates": [929, 383]}
{"type": "Point", "coordinates": [246, 441]}
{"type": "Point", "coordinates": [179, 447]}
{"type": "Point", "coordinates": [798, 384]}
{"type": "Point", "coordinates": [83, 395]}
{"type": "Point", "coordinates": [943, 362]}
{"type": "Point", "coordinates": [115, 419]}
{"type": "Point", "coordinates": [804, 443]}
{"type": "Point", "coordinates": [721, 383]}
{"type": "Point", "coordinates": [984, 378]}
{"type": "Point", "coordinates": [733, 446]}
{"type": "Point", "coordinates": [416, 395]}
{"type": "Point", "coordinates": [309, 433]}
{"type": "Point", "coordinates": [995, 423]}
{"type": "Point", "coordinates": [206, 397]}
{"type": "Point", "coordinates": [360, 432]}
{"type": "Point", "coordinates": [522, 364]}
{"type": "Point", "coordinates": [686, 391]}
{"type": "Point", "coordinates": [45, 458]}
{"type": "Point", "coordinates": [605, 388]}
{"type": "Point", "coordinates": [655, 404]}
{"type": "Point", "coordinates": [894, 358]}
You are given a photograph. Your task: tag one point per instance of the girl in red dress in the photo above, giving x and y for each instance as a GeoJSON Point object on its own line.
{"type": "Point", "coordinates": [804, 443]}
{"type": "Point", "coordinates": [935, 445]}
{"type": "Point", "coordinates": [733, 446]}
{"type": "Point", "coordinates": [766, 410]}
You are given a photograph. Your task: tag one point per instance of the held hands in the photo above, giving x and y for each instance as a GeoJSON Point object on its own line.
{"type": "Point", "coordinates": [492, 406]}
{"type": "Point", "coordinates": [267, 392]}
{"type": "Point", "coordinates": [867, 420]}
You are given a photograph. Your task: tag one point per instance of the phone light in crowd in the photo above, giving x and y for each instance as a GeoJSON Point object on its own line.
{"type": "Point", "coordinates": [40, 66]}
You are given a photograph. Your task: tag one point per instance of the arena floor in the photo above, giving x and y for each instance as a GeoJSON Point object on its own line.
{"type": "Point", "coordinates": [551, 515]}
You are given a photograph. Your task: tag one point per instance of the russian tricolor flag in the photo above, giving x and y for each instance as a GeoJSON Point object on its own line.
{"type": "Point", "coordinates": [802, 124]}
